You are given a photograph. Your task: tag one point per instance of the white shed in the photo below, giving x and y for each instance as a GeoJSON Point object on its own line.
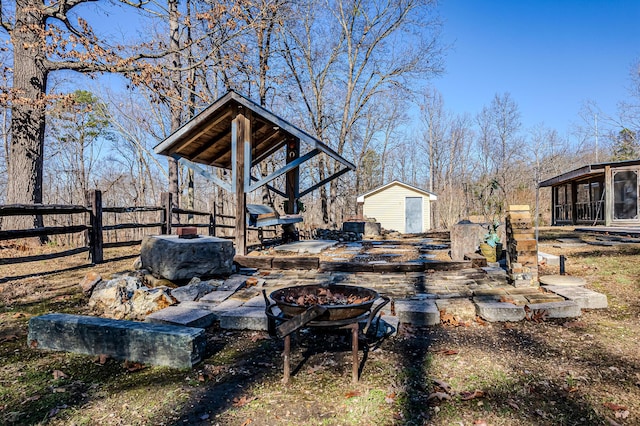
{"type": "Point", "coordinates": [399, 206]}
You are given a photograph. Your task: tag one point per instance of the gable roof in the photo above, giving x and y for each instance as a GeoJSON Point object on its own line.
{"type": "Point", "coordinates": [431, 195]}
{"type": "Point", "coordinates": [586, 171]}
{"type": "Point", "coordinates": [206, 138]}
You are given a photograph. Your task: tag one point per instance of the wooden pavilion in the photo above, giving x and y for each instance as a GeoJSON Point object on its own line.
{"type": "Point", "coordinates": [236, 134]}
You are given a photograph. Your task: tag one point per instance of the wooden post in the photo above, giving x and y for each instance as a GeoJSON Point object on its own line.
{"type": "Point", "coordinates": [293, 177]}
{"type": "Point", "coordinates": [94, 203]}
{"type": "Point", "coordinates": [241, 141]}
{"type": "Point", "coordinates": [166, 219]}
{"type": "Point", "coordinates": [608, 196]}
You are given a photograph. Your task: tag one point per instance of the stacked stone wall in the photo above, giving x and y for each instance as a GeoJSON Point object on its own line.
{"type": "Point", "coordinates": [521, 247]}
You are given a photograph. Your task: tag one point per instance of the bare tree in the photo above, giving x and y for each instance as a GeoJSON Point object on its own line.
{"type": "Point", "coordinates": [346, 52]}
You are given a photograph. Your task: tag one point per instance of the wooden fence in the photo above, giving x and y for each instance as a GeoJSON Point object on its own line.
{"type": "Point", "coordinates": [95, 229]}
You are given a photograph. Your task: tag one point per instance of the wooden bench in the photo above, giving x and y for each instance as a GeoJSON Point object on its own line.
{"type": "Point", "coordinates": [259, 215]}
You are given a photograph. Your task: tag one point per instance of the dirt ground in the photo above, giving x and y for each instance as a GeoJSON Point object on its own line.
{"type": "Point", "coordinates": [584, 371]}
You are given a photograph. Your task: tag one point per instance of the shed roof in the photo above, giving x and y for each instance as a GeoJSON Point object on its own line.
{"type": "Point", "coordinates": [206, 138]}
{"type": "Point", "coordinates": [431, 195]}
{"type": "Point", "coordinates": [586, 171]}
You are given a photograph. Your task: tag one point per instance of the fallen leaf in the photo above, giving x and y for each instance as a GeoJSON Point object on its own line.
{"type": "Point", "coordinates": [511, 403]}
{"type": "Point", "coordinates": [448, 319]}
{"type": "Point", "coordinates": [507, 299]}
{"type": "Point", "coordinates": [480, 321]}
{"type": "Point", "coordinates": [440, 395]}
{"type": "Point", "coordinates": [443, 385]}
{"type": "Point", "coordinates": [352, 394]}
{"type": "Point", "coordinates": [101, 359]}
{"type": "Point", "coordinates": [614, 407]}
{"type": "Point", "coordinates": [19, 315]}
{"type": "Point", "coordinates": [447, 352]}
{"type": "Point", "coordinates": [480, 422]}
{"type": "Point", "coordinates": [241, 402]}
{"type": "Point", "coordinates": [8, 338]}
{"type": "Point", "coordinates": [57, 374]}
{"type": "Point", "coordinates": [390, 398]}
{"type": "Point", "coordinates": [247, 422]}
{"type": "Point", "coordinates": [466, 396]}
{"type": "Point", "coordinates": [258, 336]}
{"type": "Point", "coordinates": [622, 414]}
{"type": "Point", "coordinates": [251, 282]}
{"type": "Point", "coordinates": [131, 366]}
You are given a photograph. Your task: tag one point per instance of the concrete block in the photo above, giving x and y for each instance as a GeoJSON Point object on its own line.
{"type": "Point", "coordinates": [154, 344]}
{"type": "Point", "coordinates": [500, 312]}
{"type": "Point", "coordinates": [585, 298]}
{"type": "Point", "coordinates": [461, 309]}
{"type": "Point", "coordinates": [544, 298]}
{"type": "Point", "coordinates": [418, 313]}
{"type": "Point", "coordinates": [548, 259]}
{"type": "Point", "coordinates": [566, 309]}
{"type": "Point", "coordinates": [182, 315]}
{"type": "Point", "coordinates": [178, 259]}
{"type": "Point", "coordinates": [244, 318]}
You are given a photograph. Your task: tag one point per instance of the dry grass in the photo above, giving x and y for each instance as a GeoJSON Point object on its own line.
{"type": "Point", "coordinates": [582, 372]}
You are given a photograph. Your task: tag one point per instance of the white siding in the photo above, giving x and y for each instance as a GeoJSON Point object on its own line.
{"type": "Point", "coordinates": [388, 207]}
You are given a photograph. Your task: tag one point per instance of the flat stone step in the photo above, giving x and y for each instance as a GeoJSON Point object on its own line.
{"type": "Point", "coordinates": [147, 343]}
{"type": "Point", "coordinates": [500, 311]}
{"type": "Point", "coordinates": [417, 312]}
{"type": "Point", "coordinates": [245, 318]}
{"type": "Point", "coordinates": [585, 298]}
{"type": "Point", "coordinates": [461, 309]}
{"type": "Point", "coordinates": [183, 315]}
{"type": "Point", "coordinates": [562, 280]}
{"type": "Point", "coordinates": [566, 309]}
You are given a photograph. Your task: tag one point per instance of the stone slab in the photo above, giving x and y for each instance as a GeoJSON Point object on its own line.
{"type": "Point", "coordinates": [308, 246]}
{"type": "Point", "coordinates": [463, 309]}
{"type": "Point", "coordinates": [566, 309]}
{"type": "Point", "coordinates": [500, 312]}
{"type": "Point", "coordinates": [216, 296]}
{"type": "Point", "coordinates": [549, 259]}
{"type": "Point", "coordinates": [562, 280]}
{"type": "Point", "coordinates": [147, 343]}
{"type": "Point", "coordinates": [585, 298]}
{"type": "Point", "coordinates": [244, 318]}
{"type": "Point", "coordinates": [544, 298]}
{"type": "Point", "coordinates": [465, 238]}
{"type": "Point", "coordinates": [182, 315]}
{"type": "Point", "coordinates": [418, 313]}
{"type": "Point", "coordinates": [179, 259]}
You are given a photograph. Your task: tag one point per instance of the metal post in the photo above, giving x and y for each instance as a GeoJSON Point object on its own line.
{"type": "Point", "coordinates": [562, 258]}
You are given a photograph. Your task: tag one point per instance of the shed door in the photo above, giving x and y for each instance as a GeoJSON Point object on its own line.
{"type": "Point", "coordinates": [413, 215]}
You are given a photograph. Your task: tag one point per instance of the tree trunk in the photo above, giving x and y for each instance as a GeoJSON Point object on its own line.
{"type": "Point", "coordinates": [174, 101]}
{"type": "Point", "coordinates": [25, 165]}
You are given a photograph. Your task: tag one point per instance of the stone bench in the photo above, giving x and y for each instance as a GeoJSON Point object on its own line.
{"type": "Point", "coordinates": [154, 344]}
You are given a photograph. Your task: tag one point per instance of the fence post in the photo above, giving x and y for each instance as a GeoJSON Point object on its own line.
{"type": "Point", "coordinates": [94, 201]}
{"type": "Point", "coordinates": [166, 200]}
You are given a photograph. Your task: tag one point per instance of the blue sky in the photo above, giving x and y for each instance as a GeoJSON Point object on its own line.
{"type": "Point", "coordinates": [551, 55]}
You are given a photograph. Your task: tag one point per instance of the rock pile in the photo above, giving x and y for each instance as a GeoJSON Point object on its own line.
{"type": "Point", "coordinates": [337, 235]}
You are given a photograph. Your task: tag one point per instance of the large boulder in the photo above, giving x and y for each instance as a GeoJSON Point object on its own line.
{"type": "Point", "coordinates": [126, 297]}
{"type": "Point", "coordinates": [179, 259]}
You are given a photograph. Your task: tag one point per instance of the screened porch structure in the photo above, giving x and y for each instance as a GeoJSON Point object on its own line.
{"type": "Point", "coordinates": [596, 194]}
